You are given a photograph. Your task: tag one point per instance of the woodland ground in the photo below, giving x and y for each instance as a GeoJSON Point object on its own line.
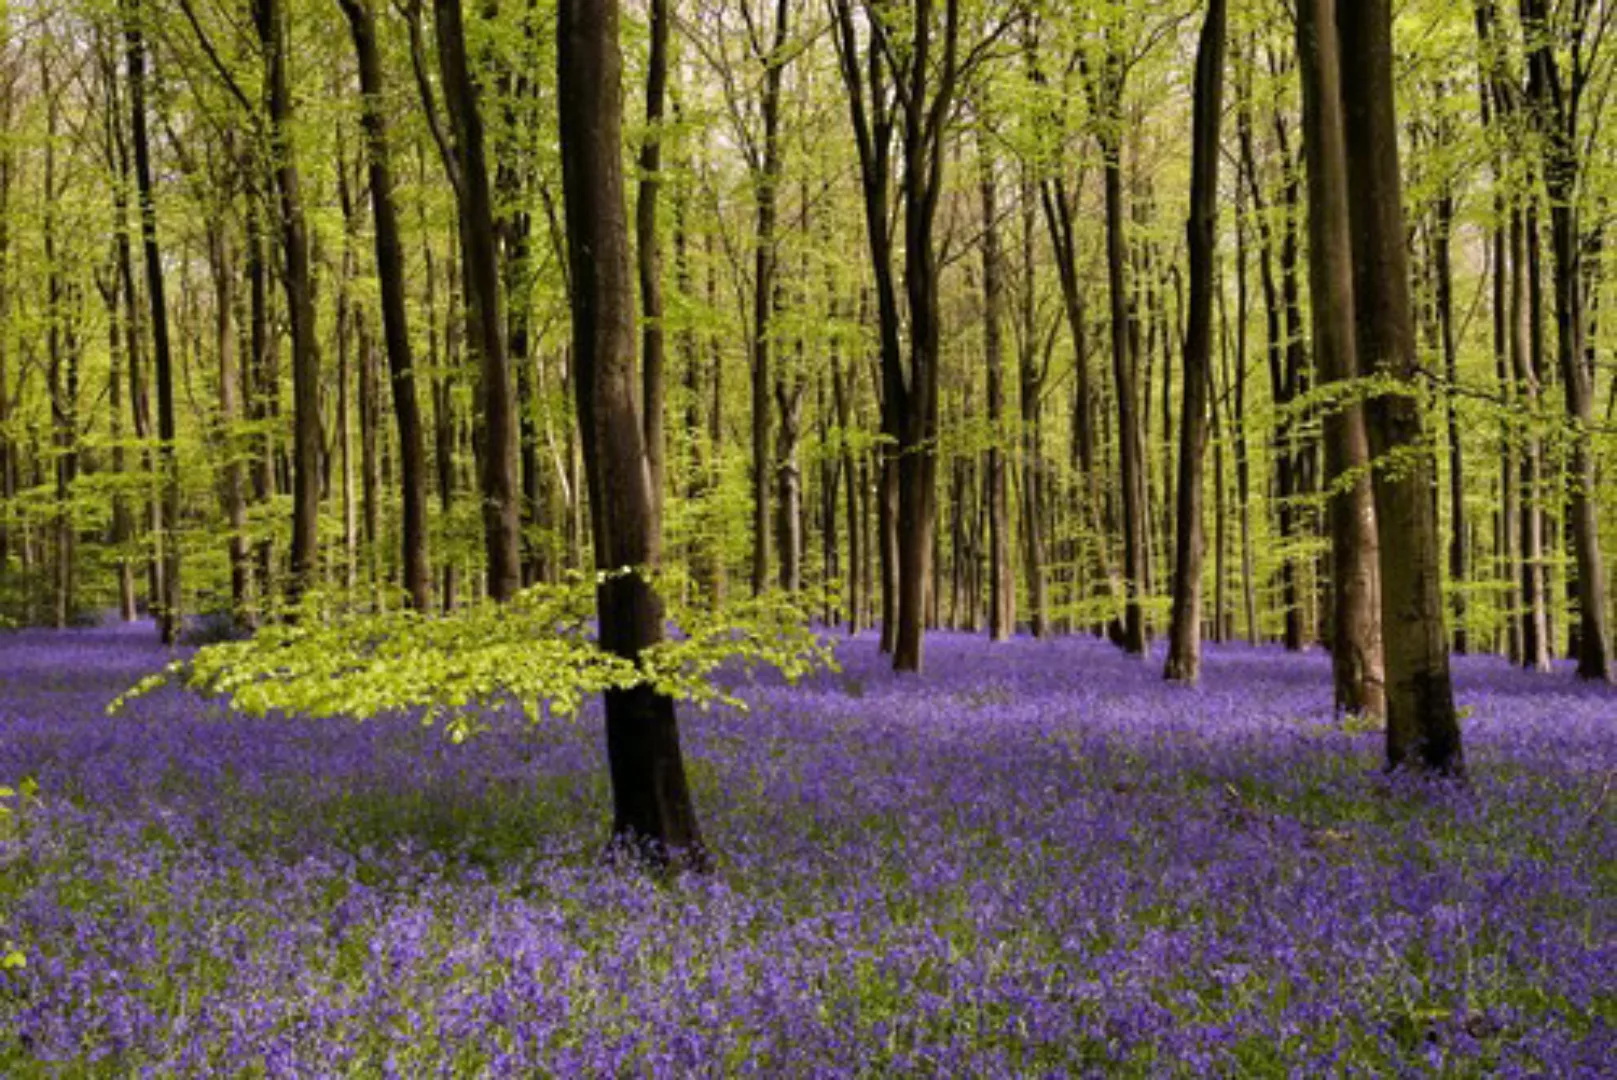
{"type": "Point", "coordinates": [1035, 860]}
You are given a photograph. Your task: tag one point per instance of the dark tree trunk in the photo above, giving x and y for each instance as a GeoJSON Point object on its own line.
{"type": "Point", "coordinates": [235, 478]}
{"type": "Point", "coordinates": [1293, 463]}
{"type": "Point", "coordinates": [843, 383]}
{"type": "Point", "coordinates": [1030, 393]}
{"type": "Point", "coordinates": [395, 320]}
{"type": "Point", "coordinates": [648, 256]}
{"type": "Point", "coordinates": [653, 813]}
{"type": "Point", "coordinates": [1129, 449]}
{"type": "Point", "coordinates": [1423, 730]}
{"type": "Point", "coordinates": [765, 301]}
{"type": "Point", "coordinates": [485, 320]}
{"type": "Point", "coordinates": [1443, 270]}
{"type": "Point", "coordinates": [1201, 233]}
{"type": "Point", "coordinates": [1526, 350]}
{"type": "Point", "coordinates": [1555, 104]}
{"type": "Point", "coordinates": [168, 612]}
{"type": "Point", "coordinates": [1001, 583]}
{"type": "Point", "coordinates": [1355, 622]}
{"type": "Point", "coordinates": [270, 18]}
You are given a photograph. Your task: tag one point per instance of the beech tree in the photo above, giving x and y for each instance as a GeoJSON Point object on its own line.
{"type": "Point", "coordinates": [653, 813]}
{"type": "Point", "coordinates": [1184, 636]}
{"type": "Point", "coordinates": [1423, 730]}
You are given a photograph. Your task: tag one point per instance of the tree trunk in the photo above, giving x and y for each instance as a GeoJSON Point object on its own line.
{"type": "Point", "coordinates": [1423, 730]}
{"type": "Point", "coordinates": [1030, 392]}
{"type": "Point", "coordinates": [1443, 268]}
{"type": "Point", "coordinates": [235, 478]}
{"type": "Point", "coordinates": [270, 18]}
{"type": "Point", "coordinates": [1201, 235]}
{"type": "Point", "coordinates": [395, 321]}
{"type": "Point", "coordinates": [653, 813]}
{"type": "Point", "coordinates": [1001, 584]}
{"type": "Point", "coordinates": [485, 320]}
{"type": "Point", "coordinates": [1356, 660]}
{"type": "Point", "coordinates": [1555, 114]}
{"type": "Point", "coordinates": [1129, 449]}
{"type": "Point", "coordinates": [765, 302]}
{"type": "Point", "coordinates": [1526, 348]}
{"type": "Point", "coordinates": [648, 255]}
{"type": "Point", "coordinates": [168, 614]}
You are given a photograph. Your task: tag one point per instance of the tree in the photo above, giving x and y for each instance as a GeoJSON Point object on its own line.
{"type": "Point", "coordinates": [1423, 731]}
{"type": "Point", "coordinates": [485, 316]}
{"type": "Point", "coordinates": [1184, 635]}
{"type": "Point", "coordinates": [653, 813]}
{"type": "Point", "coordinates": [1355, 619]}
{"type": "Point", "coordinates": [897, 85]}
{"type": "Point", "coordinates": [1001, 582]}
{"type": "Point", "coordinates": [395, 322]}
{"type": "Point", "coordinates": [269, 17]}
{"type": "Point", "coordinates": [168, 610]}
{"type": "Point", "coordinates": [1555, 107]}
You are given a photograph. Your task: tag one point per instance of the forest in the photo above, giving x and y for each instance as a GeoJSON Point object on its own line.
{"type": "Point", "coordinates": [807, 537]}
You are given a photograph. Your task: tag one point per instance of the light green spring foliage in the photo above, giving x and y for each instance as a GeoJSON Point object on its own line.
{"type": "Point", "coordinates": [538, 650]}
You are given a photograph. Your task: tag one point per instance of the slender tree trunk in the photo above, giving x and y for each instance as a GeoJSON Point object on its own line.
{"type": "Point", "coordinates": [1526, 347]}
{"type": "Point", "coordinates": [485, 319]}
{"type": "Point", "coordinates": [347, 320]}
{"type": "Point", "coordinates": [1129, 452]}
{"type": "Point", "coordinates": [1030, 392]}
{"type": "Point", "coordinates": [235, 478]}
{"type": "Point", "coordinates": [270, 18]}
{"type": "Point", "coordinates": [1555, 105]}
{"type": "Point", "coordinates": [765, 301]}
{"type": "Point", "coordinates": [1001, 584]}
{"type": "Point", "coordinates": [395, 321]}
{"type": "Point", "coordinates": [134, 40]}
{"type": "Point", "coordinates": [1422, 728]}
{"type": "Point", "coordinates": [1443, 268]}
{"type": "Point", "coordinates": [653, 813]}
{"type": "Point", "coordinates": [842, 391]}
{"type": "Point", "coordinates": [1292, 452]}
{"type": "Point", "coordinates": [1201, 233]}
{"type": "Point", "coordinates": [648, 254]}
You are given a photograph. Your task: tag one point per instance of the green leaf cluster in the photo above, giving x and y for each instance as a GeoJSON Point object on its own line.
{"type": "Point", "coordinates": [538, 651]}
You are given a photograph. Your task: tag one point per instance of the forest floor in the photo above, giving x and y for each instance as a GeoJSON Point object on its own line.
{"type": "Point", "coordinates": [1036, 860]}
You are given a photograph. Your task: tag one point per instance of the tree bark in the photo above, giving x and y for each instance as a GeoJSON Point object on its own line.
{"type": "Point", "coordinates": [653, 814]}
{"type": "Point", "coordinates": [1555, 115]}
{"type": "Point", "coordinates": [765, 302]}
{"type": "Point", "coordinates": [1129, 449]}
{"type": "Point", "coordinates": [1201, 235]}
{"type": "Point", "coordinates": [1423, 730]}
{"type": "Point", "coordinates": [485, 320]}
{"type": "Point", "coordinates": [648, 255]}
{"type": "Point", "coordinates": [1001, 583]}
{"type": "Point", "coordinates": [1356, 660]}
{"type": "Point", "coordinates": [270, 20]}
{"type": "Point", "coordinates": [395, 319]}
{"type": "Point", "coordinates": [168, 613]}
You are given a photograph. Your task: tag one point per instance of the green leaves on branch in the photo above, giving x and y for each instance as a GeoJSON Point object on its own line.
{"type": "Point", "coordinates": [538, 651]}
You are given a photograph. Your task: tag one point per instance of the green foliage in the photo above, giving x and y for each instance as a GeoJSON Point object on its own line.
{"type": "Point", "coordinates": [538, 651]}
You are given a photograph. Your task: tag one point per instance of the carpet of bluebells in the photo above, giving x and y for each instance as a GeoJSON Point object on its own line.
{"type": "Point", "coordinates": [1036, 860]}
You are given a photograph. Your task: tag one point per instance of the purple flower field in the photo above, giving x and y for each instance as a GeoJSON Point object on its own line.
{"type": "Point", "coordinates": [1036, 860]}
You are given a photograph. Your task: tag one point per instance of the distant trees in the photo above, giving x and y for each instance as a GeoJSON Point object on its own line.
{"type": "Point", "coordinates": [989, 380]}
